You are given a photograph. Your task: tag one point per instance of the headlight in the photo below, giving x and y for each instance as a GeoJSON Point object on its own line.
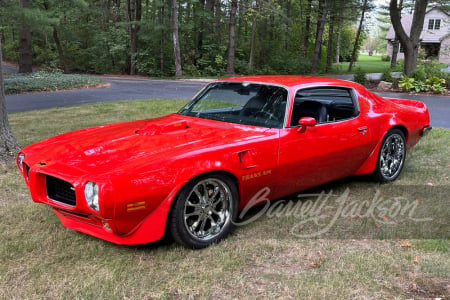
{"type": "Point", "coordinates": [20, 160]}
{"type": "Point", "coordinates": [91, 195]}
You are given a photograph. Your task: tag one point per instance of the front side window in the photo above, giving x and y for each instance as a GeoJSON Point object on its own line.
{"type": "Point", "coordinates": [240, 103]}
{"type": "Point", "coordinates": [431, 24]}
{"type": "Point", "coordinates": [325, 104]}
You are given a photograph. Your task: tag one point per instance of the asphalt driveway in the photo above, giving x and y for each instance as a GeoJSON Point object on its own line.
{"type": "Point", "coordinates": [120, 89]}
{"type": "Point", "coordinates": [135, 89]}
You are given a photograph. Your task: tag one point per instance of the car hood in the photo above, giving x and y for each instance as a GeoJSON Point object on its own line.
{"type": "Point", "coordinates": [127, 145]}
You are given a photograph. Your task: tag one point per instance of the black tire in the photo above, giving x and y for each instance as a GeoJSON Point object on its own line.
{"type": "Point", "coordinates": [391, 157]}
{"type": "Point", "coordinates": [204, 211]}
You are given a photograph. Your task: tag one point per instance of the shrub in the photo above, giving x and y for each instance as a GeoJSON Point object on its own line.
{"type": "Point", "coordinates": [406, 83]}
{"type": "Point", "coordinates": [399, 66]}
{"type": "Point", "coordinates": [359, 76]}
{"type": "Point", "coordinates": [190, 70]}
{"type": "Point", "coordinates": [433, 68]}
{"type": "Point", "coordinates": [420, 86]}
{"type": "Point", "coordinates": [241, 66]}
{"type": "Point", "coordinates": [43, 81]}
{"type": "Point", "coordinates": [419, 74]}
{"type": "Point", "coordinates": [385, 58]}
{"type": "Point", "coordinates": [387, 76]}
{"type": "Point", "coordinates": [437, 85]}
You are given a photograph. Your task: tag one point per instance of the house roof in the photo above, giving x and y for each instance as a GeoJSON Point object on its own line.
{"type": "Point", "coordinates": [406, 22]}
{"type": "Point", "coordinates": [440, 9]}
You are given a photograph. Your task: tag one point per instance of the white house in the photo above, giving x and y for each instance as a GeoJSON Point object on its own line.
{"type": "Point", "coordinates": [435, 36]}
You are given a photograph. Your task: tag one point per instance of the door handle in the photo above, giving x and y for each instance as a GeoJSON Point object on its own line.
{"type": "Point", "coordinates": [363, 130]}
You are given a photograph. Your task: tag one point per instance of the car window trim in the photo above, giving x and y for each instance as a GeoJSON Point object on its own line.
{"type": "Point", "coordinates": [353, 95]}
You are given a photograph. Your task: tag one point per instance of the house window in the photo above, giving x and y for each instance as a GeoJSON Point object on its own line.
{"type": "Point", "coordinates": [437, 24]}
{"type": "Point", "coordinates": [434, 24]}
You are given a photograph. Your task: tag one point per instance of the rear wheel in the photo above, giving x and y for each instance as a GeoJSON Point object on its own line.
{"type": "Point", "coordinates": [204, 211]}
{"type": "Point", "coordinates": [391, 157]}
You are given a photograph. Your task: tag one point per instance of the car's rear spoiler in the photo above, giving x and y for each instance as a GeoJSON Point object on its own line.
{"type": "Point", "coordinates": [408, 102]}
{"type": "Point", "coordinates": [418, 106]}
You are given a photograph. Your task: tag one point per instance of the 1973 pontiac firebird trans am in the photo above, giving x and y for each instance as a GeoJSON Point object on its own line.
{"type": "Point", "coordinates": [191, 172]}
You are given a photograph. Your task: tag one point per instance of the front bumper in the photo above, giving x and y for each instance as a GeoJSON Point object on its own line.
{"type": "Point", "coordinates": [76, 214]}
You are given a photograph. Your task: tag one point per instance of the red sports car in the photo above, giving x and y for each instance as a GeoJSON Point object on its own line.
{"type": "Point", "coordinates": [192, 171]}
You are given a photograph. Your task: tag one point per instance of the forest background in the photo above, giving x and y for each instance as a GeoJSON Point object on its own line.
{"type": "Point", "coordinates": [214, 37]}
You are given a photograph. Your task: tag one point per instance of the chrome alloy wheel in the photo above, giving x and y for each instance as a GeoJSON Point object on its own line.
{"type": "Point", "coordinates": [392, 156]}
{"type": "Point", "coordinates": [207, 209]}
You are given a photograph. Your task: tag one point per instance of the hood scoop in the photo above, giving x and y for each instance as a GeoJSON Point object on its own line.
{"type": "Point", "coordinates": [163, 128]}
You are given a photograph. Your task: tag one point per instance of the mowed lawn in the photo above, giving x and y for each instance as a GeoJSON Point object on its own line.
{"type": "Point", "coordinates": [368, 64]}
{"type": "Point", "coordinates": [349, 239]}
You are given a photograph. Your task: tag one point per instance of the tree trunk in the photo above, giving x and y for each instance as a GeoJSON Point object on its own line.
{"type": "Point", "coordinates": [217, 20]}
{"type": "Point", "coordinates": [25, 44]}
{"type": "Point", "coordinates": [395, 48]}
{"type": "Point", "coordinates": [409, 42]}
{"type": "Point", "coordinates": [358, 34]}
{"type": "Point", "coordinates": [323, 10]}
{"type": "Point", "coordinates": [307, 28]}
{"type": "Point", "coordinates": [134, 14]}
{"type": "Point", "coordinates": [395, 42]}
{"type": "Point", "coordinates": [176, 42]}
{"type": "Point", "coordinates": [338, 42]}
{"type": "Point", "coordinates": [8, 143]}
{"type": "Point", "coordinates": [232, 38]}
{"type": "Point", "coordinates": [209, 17]}
{"type": "Point", "coordinates": [60, 50]}
{"type": "Point", "coordinates": [251, 60]}
{"type": "Point", "coordinates": [411, 55]}
{"type": "Point", "coordinates": [329, 64]}
{"type": "Point", "coordinates": [161, 38]}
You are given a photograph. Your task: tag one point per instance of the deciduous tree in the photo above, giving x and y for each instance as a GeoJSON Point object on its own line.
{"type": "Point", "coordinates": [321, 19]}
{"type": "Point", "coordinates": [25, 45]}
{"type": "Point", "coordinates": [411, 41]}
{"type": "Point", "coordinates": [232, 38]}
{"type": "Point", "coordinates": [8, 143]}
{"type": "Point", "coordinates": [358, 35]}
{"type": "Point", "coordinates": [134, 14]}
{"type": "Point", "coordinates": [176, 40]}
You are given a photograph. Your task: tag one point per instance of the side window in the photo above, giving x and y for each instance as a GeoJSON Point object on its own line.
{"type": "Point", "coordinates": [325, 104]}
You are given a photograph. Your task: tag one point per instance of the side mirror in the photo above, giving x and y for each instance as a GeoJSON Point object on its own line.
{"type": "Point", "coordinates": [306, 122]}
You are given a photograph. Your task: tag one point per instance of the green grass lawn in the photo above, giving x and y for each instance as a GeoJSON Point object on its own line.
{"type": "Point", "coordinates": [368, 64]}
{"type": "Point", "coordinates": [401, 252]}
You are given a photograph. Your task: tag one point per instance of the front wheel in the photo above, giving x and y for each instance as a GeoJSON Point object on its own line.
{"type": "Point", "coordinates": [391, 157]}
{"type": "Point", "coordinates": [204, 211]}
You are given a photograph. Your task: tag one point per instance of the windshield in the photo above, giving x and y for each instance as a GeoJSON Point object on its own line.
{"type": "Point", "coordinates": [241, 103]}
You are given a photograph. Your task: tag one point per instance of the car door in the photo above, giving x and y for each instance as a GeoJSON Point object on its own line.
{"type": "Point", "coordinates": [334, 148]}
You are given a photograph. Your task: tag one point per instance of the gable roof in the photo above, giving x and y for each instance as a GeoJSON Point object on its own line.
{"type": "Point", "coordinates": [440, 9]}
{"type": "Point", "coordinates": [406, 22]}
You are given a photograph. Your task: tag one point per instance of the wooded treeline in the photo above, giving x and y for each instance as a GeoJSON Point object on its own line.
{"type": "Point", "coordinates": [214, 36]}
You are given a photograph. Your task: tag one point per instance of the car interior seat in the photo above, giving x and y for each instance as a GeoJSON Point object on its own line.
{"type": "Point", "coordinates": [311, 109]}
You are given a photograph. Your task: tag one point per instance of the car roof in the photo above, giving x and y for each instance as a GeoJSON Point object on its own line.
{"type": "Point", "coordinates": [293, 80]}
